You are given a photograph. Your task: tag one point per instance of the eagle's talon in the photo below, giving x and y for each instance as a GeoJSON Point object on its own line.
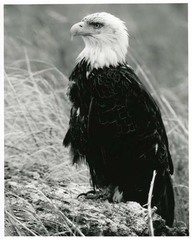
{"type": "Point", "coordinates": [86, 194]}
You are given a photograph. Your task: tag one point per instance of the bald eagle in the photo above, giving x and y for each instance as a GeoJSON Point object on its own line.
{"type": "Point", "coordinates": [115, 124]}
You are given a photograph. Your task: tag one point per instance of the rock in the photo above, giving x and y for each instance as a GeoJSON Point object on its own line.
{"type": "Point", "coordinates": [38, 207]}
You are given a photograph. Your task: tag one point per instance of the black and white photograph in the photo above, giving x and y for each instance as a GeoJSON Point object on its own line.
{"type": "Point", "coordinates": [96, 119]}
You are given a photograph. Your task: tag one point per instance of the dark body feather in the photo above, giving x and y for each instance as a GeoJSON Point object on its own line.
{"type": "Point", "coordinates": [116, 126]}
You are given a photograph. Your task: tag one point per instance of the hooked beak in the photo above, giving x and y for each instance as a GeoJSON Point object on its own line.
{"type": "Point", "coordinates": [79, 29]}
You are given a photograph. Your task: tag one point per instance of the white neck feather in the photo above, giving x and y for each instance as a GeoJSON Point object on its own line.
{"type": "Point", "coordinates": [101, 51]}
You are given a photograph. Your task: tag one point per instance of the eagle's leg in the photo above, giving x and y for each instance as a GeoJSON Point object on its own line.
{"type": "Point", "coordinates": [117, 195]}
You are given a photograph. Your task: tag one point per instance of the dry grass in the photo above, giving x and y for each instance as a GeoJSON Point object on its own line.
{"type": "Point", "coordinates": [36, 119]}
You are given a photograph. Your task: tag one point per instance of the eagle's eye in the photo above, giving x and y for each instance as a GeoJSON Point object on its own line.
{"type": "Point", "coordinates": [96, 25]}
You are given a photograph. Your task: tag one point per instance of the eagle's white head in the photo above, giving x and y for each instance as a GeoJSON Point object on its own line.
{"type": "Point", "coordinates": [106, 39]}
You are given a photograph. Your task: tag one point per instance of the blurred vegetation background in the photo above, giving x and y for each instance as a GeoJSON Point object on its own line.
{"type": "Point", "coordinates": [39, 56]}
{"type": "Point", "coordinates": [158, 35]}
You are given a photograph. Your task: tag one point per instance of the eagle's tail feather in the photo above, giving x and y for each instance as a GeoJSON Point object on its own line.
{"type": "Point", "coordinates": [167, 204]}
